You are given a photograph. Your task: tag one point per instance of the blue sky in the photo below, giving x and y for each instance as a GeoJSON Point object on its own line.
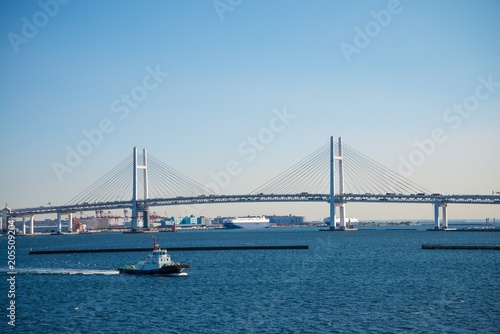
{"type": "Point", "coordinates": [227, 72]}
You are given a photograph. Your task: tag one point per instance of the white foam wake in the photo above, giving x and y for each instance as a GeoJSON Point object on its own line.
{"type": "Point", "coordinates": [61, 271]}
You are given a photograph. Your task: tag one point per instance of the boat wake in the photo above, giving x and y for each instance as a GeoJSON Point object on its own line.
{"type": "Point", "coordinates": [179, 274]}
{"type": "Point", "coordinates": [61, 271]}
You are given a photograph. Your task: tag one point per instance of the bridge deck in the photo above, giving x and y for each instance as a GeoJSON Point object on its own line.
{"type": "Point", "coordinates": [302, 197]}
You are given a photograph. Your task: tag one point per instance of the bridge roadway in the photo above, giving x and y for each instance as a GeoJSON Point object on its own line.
{"type": "Point", "coordinates": [302, 197]}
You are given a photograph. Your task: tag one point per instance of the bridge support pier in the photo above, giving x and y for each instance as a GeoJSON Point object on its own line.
{"type": "Point", "coordinates": [445, 216]}
{"type": "Point", "coordinates": [59, 223]}
{"type": "Point", "coordinates": [145, 218]}
{"type": "Point", "coordinates": [342, 216]}
{"type": "Point", "coordinates": [32, 224]}
{"type": "Point", "coordinates": [436, 216]}
{"type": "Point", "coordinates": [6, 214]}
{"type": "Point", "coordinates": [24, 225]}
{"type": "Point", "coordinates": [437, 221]}
{"type": "Point", "coordinates": [70, 222]}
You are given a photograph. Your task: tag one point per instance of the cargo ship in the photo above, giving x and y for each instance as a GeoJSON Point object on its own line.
{"type": "Point", "coordinates": [250, 222]}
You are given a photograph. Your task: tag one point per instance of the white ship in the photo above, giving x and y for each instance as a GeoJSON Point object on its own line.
{"type": "Point", "coordinates": [249, 222]}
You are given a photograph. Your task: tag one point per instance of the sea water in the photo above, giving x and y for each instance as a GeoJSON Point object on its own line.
{"type": "Point", "coordinates": [365, 281]}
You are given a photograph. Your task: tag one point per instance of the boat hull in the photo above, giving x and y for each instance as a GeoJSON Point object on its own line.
{"type": "Point", "coordinates": [258, 225]}
{"type": "Point", "coordinates": [250, 222]}
{"type": "Point", "coordinates": [165, 270]}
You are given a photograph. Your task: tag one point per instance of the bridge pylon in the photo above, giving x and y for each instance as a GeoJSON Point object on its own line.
{"type": "Point", "coordinates": [332, 186]}
{"type": "Point", "coordinates": [135, 208]}
{"type": "Point", "coordinates": [340, 158]}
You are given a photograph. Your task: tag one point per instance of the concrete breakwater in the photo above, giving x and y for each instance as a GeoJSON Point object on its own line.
{"type": "Point", "coordinates": [461, 247]}
{"type": "Point", "coordinates": [170, 249]}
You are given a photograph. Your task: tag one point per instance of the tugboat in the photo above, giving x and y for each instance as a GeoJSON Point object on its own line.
{"type": "Point", "coordinates": [157, 263]}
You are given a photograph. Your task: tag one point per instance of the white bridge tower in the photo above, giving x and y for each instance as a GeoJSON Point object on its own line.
{"type": "Point", "coordinates": [340, 158]}
{"type": "Point", "coordinates": [135, 209]}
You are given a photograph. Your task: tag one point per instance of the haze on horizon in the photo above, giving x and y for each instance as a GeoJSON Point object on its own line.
{"type": "Point", "coordinates": [414, 85]}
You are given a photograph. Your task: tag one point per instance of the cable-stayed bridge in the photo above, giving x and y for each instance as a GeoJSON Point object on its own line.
{"type": "Point", "coordinates": [335, 173]}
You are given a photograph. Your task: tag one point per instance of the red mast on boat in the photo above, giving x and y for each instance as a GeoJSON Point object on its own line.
{"type": "Point", "coordinates": [155, 246]}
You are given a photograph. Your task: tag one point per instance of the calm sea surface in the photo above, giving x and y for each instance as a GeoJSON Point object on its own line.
{"type": "Point", "coordinates": [368, 281]}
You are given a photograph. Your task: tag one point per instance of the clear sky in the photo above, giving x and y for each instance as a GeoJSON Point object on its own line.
{"type": "Point", "coordinates": [414, 85]}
